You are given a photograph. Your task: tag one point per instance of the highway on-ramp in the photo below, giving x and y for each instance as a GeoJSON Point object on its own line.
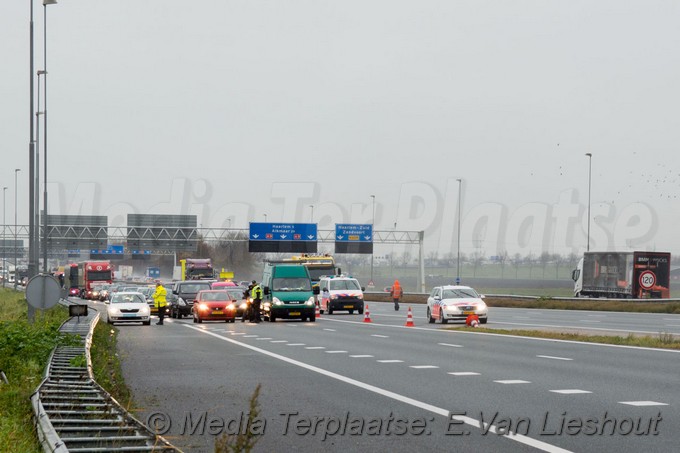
{"type": "Point", "coordinates": [341, 384]}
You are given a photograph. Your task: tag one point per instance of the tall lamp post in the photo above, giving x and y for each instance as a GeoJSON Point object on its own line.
{"type": "Point", "coordinates": [460, 183]}
{"type": "Point", "coordinates": [36, 181]}
{"type": "Point", "coordinates": [44, 237]}
{"type": "Point", "coordinates": [311, 216]}
{"type": "Point", "coordinates": [4, 243]}
{"type": "Point", "coordinates": [16, 274]}
{"type": "Point", "coordinates": [590, 168]}
{"type": "Point", "coordinates": [265, 218]}
{"type": "Point", "coordinates": [372, 228]}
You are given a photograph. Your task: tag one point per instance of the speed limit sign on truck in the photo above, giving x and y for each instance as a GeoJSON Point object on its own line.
{"type": "Point", "coordinates": [647, 280]}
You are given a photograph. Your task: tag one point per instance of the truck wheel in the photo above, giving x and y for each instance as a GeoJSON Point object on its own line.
{"type": "Point", "coordinates": [272, 318]}
{"type": "Point", "coordinates": [312, 318]}
{"type": "Point", "coordinates": [351, 312]}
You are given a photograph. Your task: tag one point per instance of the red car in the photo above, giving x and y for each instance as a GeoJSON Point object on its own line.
{"type": "Point", "coordinates": [213, 305]}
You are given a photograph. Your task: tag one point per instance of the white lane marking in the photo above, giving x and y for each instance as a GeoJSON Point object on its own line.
{"type": "Point", "coordinates": [315, 347]}
{"type": "Point", "coordinates": [520, 337]}
{"type": "Point", "coordinates": [379, 336]}
{"type": "Point", "coordinates": [361, 356]}
{"type": "Point", "coordinates": [295, 344]}
{"type": "Point", "coordinates": [553, 357]}
{"type": "Point", "coordinates": [329, 330]}
{"type": "Point", "coordinates": [588, 320]}
{"type": "Point", "coordinates": [463, 373]}
{"type": "Point", "coordinates": [423, 367]}
{"type": "Point", "coordinates": [249, 336]}
{"type": "Point", "coordinates": [279, 341]}
{"type": "Point", "coordinates": [599, 316]}
{"type": "Point", "coordinates": [581, 327]}
{"type": "Point", "coordinates": [451, 345]}
{"type": "Point", "coordinates": [390, 361]}
{"type": "Point", "coordinates": [643, 403]}
{"type": "Point", "coordinates": [238, 333]}
{"type": "Point", "coordinates": [263, 338]}
{"type": "Point", "coordinates": [392, 395]}
{"type": "Point", "coordinates": [513, 381]}
{"type": "Point", "coordinates": [335, 352]}
{"type": "Point", "coordinates": [570, 391]}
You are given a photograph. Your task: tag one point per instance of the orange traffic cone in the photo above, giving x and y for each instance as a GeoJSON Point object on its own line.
{"type": "Point", "coordinates": [409, 318]}
{"type": "Point", "coordinates": [472, 321]}
{"type": "Point", "coordinates": [367, 315]}
{"type": "Point", "coordinates": [317, 313]}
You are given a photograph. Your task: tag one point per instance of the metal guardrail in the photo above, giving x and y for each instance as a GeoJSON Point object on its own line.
{"type": "Point", "coordinates": [75, 414]}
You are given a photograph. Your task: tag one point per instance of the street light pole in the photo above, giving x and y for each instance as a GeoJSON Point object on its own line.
{"type": "Point", "coordinates": [4, 241]}
{"type": "Point", "coordinates": [460, 183]}
{"type": "Point", "coordinates": [311, 217]}
{"type": "Point", "coordinates": [31, 165]}
{"type": "Point", "coordinates": [16, 274]}
{"type": "Point", "coordinates": [36, 181]}
{"type": "Point", "coordinates": [44, 237]}
{"type": "Point", "coordinates": [265, 218]}
{"type": "Point", "coordinates": [590, 168]}
{"type": "Point", "coordinates": [373, 233]}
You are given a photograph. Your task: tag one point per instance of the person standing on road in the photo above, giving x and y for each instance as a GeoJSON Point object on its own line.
{"type": "Point", "coordinates": [396, 292]}
{"type": "Point", "coordinates": [159, 302]}
{"type": "Point", "coordinates": [247, 296]}
{"type": "Point", "coordinates": [256, 294]}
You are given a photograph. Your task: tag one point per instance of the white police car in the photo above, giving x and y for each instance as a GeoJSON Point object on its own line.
{"type": "Point", "coordinates": [455, 303]}
{"type": "Point", "coordinates": [340, 293]}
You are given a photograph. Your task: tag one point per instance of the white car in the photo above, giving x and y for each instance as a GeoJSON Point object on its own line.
{"type": "Point", "coordinates": [128, 307]}
{"type": "Point", "coordinates": [455, 303]}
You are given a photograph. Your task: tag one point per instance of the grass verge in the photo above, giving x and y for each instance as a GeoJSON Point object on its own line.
{"type": "Point", "coordinates": [106, 363]}
{"type": "Point", "coordinates": [24, 351]}
{"type": "Point", "coordinates": [586, 304]}
{"type": "Point", "coordinates": [662, 341]}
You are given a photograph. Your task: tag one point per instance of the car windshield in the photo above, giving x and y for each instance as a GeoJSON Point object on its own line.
{"type": "Point", "coordinates": [460, 293]}
{"type": "Point", "coordinates": [128, 299]}
{"type": "Point", "coordinates": [292, 284]}
{"type": "Point", "coordinates": [216, 296]}
{"type": "Point", "coordinates": [193, 288]}
{"type": "Point", "coordinates": [344, 284]}
{"type": "Point", "coordinates": [235, 295]}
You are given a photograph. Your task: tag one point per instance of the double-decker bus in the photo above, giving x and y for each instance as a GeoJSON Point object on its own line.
{"type": "Point", "coordinates": [84, 275]}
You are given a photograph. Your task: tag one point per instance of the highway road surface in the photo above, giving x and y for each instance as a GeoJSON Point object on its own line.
{"type": "Point", "coordinates": [340, 384]}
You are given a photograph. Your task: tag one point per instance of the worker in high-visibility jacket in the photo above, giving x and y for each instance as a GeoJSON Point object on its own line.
{"type": "Point", "coordinates": [396, 293]}
{"type": "Point", "coordinates": [159, 302]}
{"type": "Point", "coordinates": [256, 294]}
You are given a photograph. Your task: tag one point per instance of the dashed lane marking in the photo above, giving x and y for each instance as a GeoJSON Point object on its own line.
{"type": "Point", "coordinates": [444, 412]}
{"type": "Point", "coordinates": [513, 381]}
{"type": "Point", "coordinates": [553, 357]}
{"type": "Point", "coordinates": [315, 347]}
{"type": "Point", "coordinates": [358, 356]}
{"type": "Point", "coordinates": [643, 403]}
{"type": "Point", "coordinates": [570, 391]}
{"type": "Point", "coordinates": [390, 361]}
{"type": "Point", "coordinates": [463, 373]}
{"type": "Point", "coordinates": [423, 367]}
{"type": "Point", "coordinates": [450, 345]}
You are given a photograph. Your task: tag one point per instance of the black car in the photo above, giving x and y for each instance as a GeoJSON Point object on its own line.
{"type": "Point", "coordinates": [184, 294]}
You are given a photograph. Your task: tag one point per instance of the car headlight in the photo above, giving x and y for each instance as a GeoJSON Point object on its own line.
{"type": "Point", "coordinates": [145, 311]}
{"type": "Point", "coordinates": [334, 296]}
{"type": "Point", "coordinates": [203, 306]}
{"type": "Point", "coordinates": [181, 302]}
{"type": "Point", "coordinates": [114, 311]}
{"type": "Point", "coordinates": [310, 301]}
{"type": "Point", "coordinates": [243, 306]}
{"type": "Point", "coordinates": [231, 307]}
{"type": "Point", "coordinates": [481, 306]}
{"type": "Point", "coordinates": [360, 296]}
{"type": "Point", "coordinates": [276, 301]}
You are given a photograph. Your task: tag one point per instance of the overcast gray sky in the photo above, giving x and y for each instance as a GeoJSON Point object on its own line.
{"type": "Point", "coordinates": [234, 109]}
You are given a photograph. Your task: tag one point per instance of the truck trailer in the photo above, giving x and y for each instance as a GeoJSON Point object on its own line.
{"type": "Point", "coordinates": [623, 275]}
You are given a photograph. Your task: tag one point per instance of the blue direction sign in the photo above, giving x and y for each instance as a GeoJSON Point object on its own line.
{"type": "Point", "coordinates": [353, 232]}
{"type": "Point", "coordinates": [282, 237]}
{"type": "Point", "coordinates": [354, 238]}
{"type": "Point", "coordinates": [260, 231]}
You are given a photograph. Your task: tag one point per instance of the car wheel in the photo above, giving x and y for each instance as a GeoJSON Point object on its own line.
{"type": "Point", "coordinates": [312, 318]}
{"type": "Point", "coordinates": [430, 319]}
{"type": "Point", "coordinates": [351, 312]}
{"type": "Point", "coordinates": [483, 320]}
{"type": "Point", "coordinates": [442, 317]}
{"type": "Point", "coordinates": [200, 321]}
{"type": "Point", "coordinates": [361, 311]}
{"type": "Point", "coordinates": [108, 321]}
{"type": "Point", "coordinates": [272, 318]}
{"type": "Point", "coordinates": [195, 320]}
{"type": "Point", "coordinates": [329, 309]}
{"type": "Point", "coordinates": [147, 323]}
